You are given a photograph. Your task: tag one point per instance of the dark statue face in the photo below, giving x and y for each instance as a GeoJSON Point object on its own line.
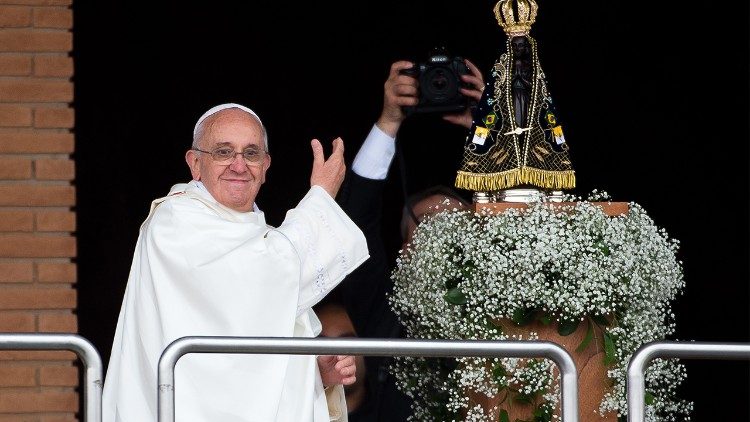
{"type": "Point", "coordinates": [521, 47]}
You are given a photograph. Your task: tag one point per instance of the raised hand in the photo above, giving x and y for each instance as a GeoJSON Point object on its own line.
{"type": "Point", "coordinates": [475, 93]}
{"type": "Point", "coordinates": [399, 91]}
{"type": "Point", "coordinates": [328, 174]}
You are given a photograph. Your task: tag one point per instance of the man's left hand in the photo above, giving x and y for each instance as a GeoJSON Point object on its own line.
{"type": "Point", "coordinates": [476, 82]}
{"type": "Point", "coordinates": [328, 173]}
{"type": "Point", "coordinates": [337, 370]}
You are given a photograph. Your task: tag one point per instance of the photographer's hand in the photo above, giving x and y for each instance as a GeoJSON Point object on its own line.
{"type": "Point", "coordinates": [399, 91]}
{"type": "Point", "coordinates": [475, 93]}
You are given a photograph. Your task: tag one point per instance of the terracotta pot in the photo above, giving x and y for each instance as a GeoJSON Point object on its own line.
{"type": "Point", "coordinates": [593, 382]}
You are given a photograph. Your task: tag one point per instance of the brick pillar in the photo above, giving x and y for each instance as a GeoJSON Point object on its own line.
{"type": "Point", "coordinates": [37, 244]}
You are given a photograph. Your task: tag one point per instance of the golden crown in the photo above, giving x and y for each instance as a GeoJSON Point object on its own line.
{"type": "Point", "coordinates": [516, 24]}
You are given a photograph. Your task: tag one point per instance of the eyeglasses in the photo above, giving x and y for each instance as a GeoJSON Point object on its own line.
{"type": "Point", "coordinates": [225, 155]}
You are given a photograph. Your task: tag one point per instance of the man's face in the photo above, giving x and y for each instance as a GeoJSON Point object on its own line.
{"type": "Point", "coordinates": [234, 184]}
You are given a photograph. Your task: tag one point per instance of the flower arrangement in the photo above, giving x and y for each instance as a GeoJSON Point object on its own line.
{"type": "Point", "coordinates": [471, 276]}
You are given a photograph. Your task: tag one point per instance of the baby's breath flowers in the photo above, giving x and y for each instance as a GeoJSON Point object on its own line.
{"type": "Point", "coordinates": [570, 265]}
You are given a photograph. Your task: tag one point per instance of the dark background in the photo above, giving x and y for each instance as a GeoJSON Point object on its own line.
{"type": "Point", "coordinates": [653, 98]}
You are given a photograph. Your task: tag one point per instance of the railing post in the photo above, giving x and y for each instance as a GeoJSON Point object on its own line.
{"type": "Point", "coordinates": [671, 349]}
{"type": "Point", "coordinates": [369, 347]}
{"type": "Point", "coordinates": [92, 389]}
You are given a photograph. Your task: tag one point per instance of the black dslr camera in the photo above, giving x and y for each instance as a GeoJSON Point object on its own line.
{"type": "Point", "coordinates": [439, 82]}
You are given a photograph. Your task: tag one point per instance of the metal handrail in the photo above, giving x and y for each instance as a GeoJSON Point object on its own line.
{"type": "Point", "coordinates": [672, 349]}
{"type": "Point", "coordinates": [369, 347]}
{"type": "Point", "coordinates": [92, 389]}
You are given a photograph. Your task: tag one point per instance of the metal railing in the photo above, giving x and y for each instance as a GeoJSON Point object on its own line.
{"type": "Point", "coordinates": [672, 349]}
{"type": "Point", "coordinates": [368, 347]}
{"type": "Point", "coordinates": [92, 389]}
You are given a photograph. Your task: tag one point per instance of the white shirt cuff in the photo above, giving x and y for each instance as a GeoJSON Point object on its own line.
{"type": "Point", "coordinates": [375, 155]}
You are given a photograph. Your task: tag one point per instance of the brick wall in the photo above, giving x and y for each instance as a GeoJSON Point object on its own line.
{"type": "Point", "coordinates": [37, 224]}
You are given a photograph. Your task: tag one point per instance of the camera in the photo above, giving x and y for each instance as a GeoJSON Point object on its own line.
{"type": "Point", "coordinates": [439, 83]}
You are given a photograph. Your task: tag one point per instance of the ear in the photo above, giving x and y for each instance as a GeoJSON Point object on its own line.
{"type": "Point", "coordinates": [266, 165]}
{"type": "Point", "coordinates": [191, 158]}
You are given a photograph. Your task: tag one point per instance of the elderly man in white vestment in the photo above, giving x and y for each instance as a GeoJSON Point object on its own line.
{"type": "Point", "coordinates": [206, 263]}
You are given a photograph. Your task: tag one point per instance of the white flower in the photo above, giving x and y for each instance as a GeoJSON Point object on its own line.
{"type": "Point", "coordinates": [464, 272]}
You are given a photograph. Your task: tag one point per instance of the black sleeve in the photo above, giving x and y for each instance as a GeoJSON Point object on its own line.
{"type": "Point", "coordinates": [363, 292]}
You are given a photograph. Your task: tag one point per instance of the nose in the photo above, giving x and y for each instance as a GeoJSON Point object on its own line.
{"type": "Point", "coordinates": [238, 164]}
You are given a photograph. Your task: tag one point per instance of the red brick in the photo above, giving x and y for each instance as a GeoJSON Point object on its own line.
{"type": "Point", "coordinates": [17, 376]}
{"type": "Point", "coordinates": [35, 195]}
{"type": "Point", "coordinates": [28, 90]}
{"type": "Point", "coordinates": [15, 116]}
{"type": "Point", "coordinates": [58, 322]}
{"type": "Point", "coordinates": [56, 221]}
{"type": "Point", "coordinates": [59, 376]}
{"type": "Point", "coordinates": [53, 17]}
{"type": "Point", "coordinates": [33, 246]}
{"type": "Point", "coordinates": [56, 272]}
{"type": "Point", "coordinates": [15, 65]}
{"type": "Point", "coordinates": [35, 41]}
{"type": "Point", "coordinates": [58, 418]}
{"type": "Point", "coordinates": [26, 355]}
{"type": "Point", "coordinates": [22, 298]}
{"type": "Point", "coordinates": [54, 169]}
{"type": "Point", "coordinates": [32, 401]}
{"type": "Point", "coordinates": [36, 142]}
{"type": "Point", "coordinates": [39, 2]}
{"type": "Point", "coordinates": [53, 65]}
{"type": "Point", "coordinates": [20, 418]}
{"type": "Point", "coordinates": [16, 272]}
{"type": "Point", "coordinates": [61, 117]}
{"type": "Point", "coordinates": [17, 322]}
{"type": "Point", "coordinates": [15, 16]}
{"type": "Point", "coordinates": [15, 168]}
{"type": "Point", "coordinates": [26, 417]}
{"type": "Point", "coordinates": [15, 221]}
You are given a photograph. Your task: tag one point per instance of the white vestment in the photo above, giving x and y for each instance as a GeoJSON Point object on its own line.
{"type": "Point", "coordinates": [201, 269]}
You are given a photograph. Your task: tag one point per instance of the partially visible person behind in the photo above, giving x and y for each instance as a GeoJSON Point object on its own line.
{"type": "Point", "coordinates": [207, 264]}
{"type": "Point", "coordinates": [364, 292]}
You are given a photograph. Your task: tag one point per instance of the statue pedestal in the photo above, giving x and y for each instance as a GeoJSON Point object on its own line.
{"type": "Point", "coordinates": [593, 382]}
{"type": "Point", "coordinates": [612, 209]}
{"type": "Point", "coordinates": [592, 373]}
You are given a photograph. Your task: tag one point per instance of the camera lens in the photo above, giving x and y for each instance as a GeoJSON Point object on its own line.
{"type": "Point", "coordinates": [439, 85]}
{"type": "Point", "coordinates": [439, 82]}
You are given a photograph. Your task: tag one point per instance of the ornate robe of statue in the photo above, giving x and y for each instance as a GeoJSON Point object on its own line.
{"type": "Point", "coordinates": [516, 139]}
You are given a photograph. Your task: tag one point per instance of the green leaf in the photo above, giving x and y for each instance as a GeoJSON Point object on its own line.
{"type": "Point", "coordinates": [604, 249]}
{"type": "Point", "coordinates": [610, 355]}
{"type": "Point", "coordinates": [468, 271]}
{"type": "Point", "coordinates": [586, 340]}
{"type": "Point", "coordinates": [566, 327]}
{"type": "Point", "coordinates": [498, 372]}
{"type": "Point", "coordinates": [601, 320]}
{"type": "Point", "coordinates": [523, 398]}
{"type": "Point", "coordinates": [452, 283]}
{"type": "Point", "coordinates": [523, 316]}
{"type": "Point", "coordinates": [455, 296]}
{"type": "Point", "coordinates": [649, 398]}
{"type": "Point", "coordinates": [545, 319]}
{"type": "Point", "coordinates": [504, 416]}
{"type": "Point", "coordinates": [542, 413]}
{"type": "Point", "coordinates": [492, 323]}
